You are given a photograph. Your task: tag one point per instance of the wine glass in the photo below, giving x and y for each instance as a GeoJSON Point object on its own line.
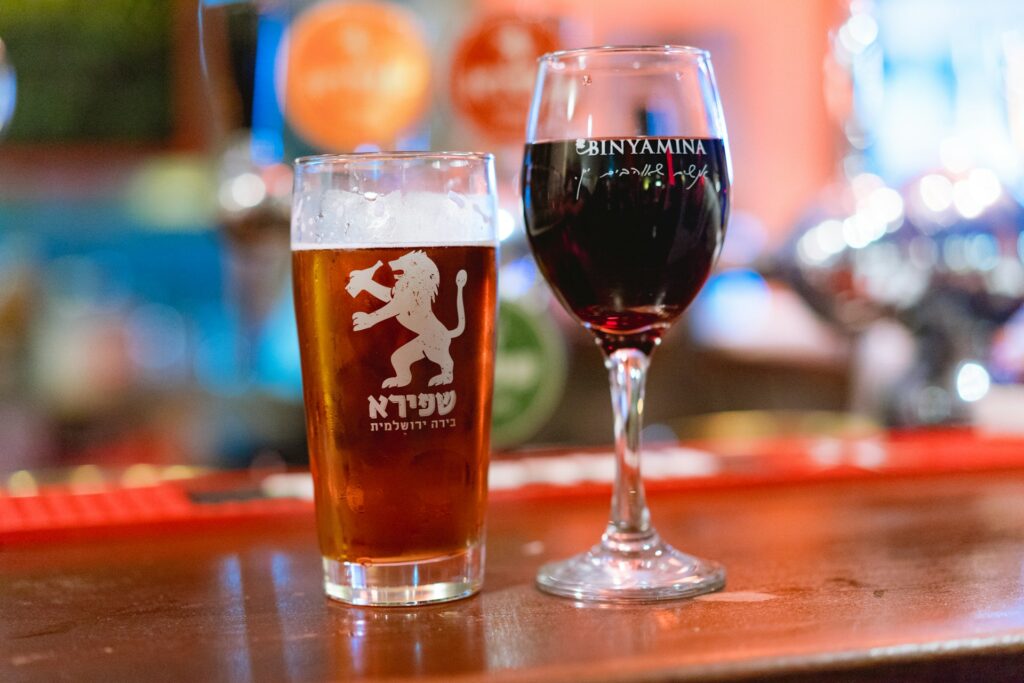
{"type": "Point", "coordinates": [625, 192]}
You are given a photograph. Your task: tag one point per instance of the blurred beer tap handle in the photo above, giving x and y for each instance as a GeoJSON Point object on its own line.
{"type": "Point", "coordinates": [228, 34]}
{"type": "Point", "coordinates": [8, 89]}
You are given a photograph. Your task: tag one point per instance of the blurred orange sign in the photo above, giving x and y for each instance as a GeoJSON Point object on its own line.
{"type": "Point", "coordinates": [354, 73]}
{"type": "Point", "coordinates": [493, 70]}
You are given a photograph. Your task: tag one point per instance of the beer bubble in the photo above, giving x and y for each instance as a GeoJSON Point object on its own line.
{"type": "Point", "coordinates": [587, 80]}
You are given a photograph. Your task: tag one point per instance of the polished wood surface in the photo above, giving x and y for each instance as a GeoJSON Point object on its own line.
{"type": "Point", "coordinates": [902, 577]}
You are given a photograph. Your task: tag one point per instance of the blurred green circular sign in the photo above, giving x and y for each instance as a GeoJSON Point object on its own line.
{"type": "Point", "coordinates": [529, 373]}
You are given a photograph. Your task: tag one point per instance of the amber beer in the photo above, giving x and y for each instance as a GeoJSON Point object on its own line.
{"type": "Point", "coordinates": [394, 260]}
{"type": "Point", "coordinates": [401, 470]}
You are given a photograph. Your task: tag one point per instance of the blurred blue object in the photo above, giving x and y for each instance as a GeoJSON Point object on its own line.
{"type": "Point", "coordinates": [8, 89]}
{"type": "Point", "coordinates": [933, 83]}
{"type": "Point", "coordinates": [268, 126]}
{"type": "Point", "coordinates": [170, 288]}
{"type": "Point", "coordinates": [731, 306]}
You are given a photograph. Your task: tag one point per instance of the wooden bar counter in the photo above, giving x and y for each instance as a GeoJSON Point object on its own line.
{"type": "Point", "coordinates": [895, 572]}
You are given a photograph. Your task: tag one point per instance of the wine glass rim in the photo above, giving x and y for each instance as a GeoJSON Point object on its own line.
{"type": "Point", "coordinates": [560, 55]}
{"type": "Point", "coordinates": [355, 157]}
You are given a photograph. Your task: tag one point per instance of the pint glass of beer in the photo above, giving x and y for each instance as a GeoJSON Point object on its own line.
{"type": "Point", "coordinates": [393, 259]}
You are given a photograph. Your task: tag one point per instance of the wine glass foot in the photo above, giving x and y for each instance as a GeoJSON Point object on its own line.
{"type": "Point", "coordinates": [651, 572]}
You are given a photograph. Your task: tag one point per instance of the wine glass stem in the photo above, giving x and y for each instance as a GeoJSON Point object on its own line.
{"type": "Point", "coordinates": [630, 524]}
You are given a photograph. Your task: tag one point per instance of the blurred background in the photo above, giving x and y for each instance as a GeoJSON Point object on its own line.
{"type": "Point", "coordinates": [872, 276]}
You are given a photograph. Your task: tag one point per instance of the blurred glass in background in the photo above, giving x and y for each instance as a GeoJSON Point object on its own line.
{"type": "Point", "coordinates": [873, 263]}
{"type": "Point", "coordinates": [914, 250]}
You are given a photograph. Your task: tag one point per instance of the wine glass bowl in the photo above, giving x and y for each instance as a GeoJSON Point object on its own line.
{"type": "Point", "coordinates": [626, 197]}
{"type": "Point", "coordinates": [626, 253]}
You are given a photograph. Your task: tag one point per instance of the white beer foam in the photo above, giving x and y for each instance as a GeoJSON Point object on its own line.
{"type": "Point", "coordinates": [340, 219]}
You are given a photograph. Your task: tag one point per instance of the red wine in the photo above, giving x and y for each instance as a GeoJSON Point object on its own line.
{"type": "Point", "coordinates": [626, 230]}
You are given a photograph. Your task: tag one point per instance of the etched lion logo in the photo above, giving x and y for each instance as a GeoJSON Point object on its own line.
{"type": "Point", "coordinates": [410, 301]}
